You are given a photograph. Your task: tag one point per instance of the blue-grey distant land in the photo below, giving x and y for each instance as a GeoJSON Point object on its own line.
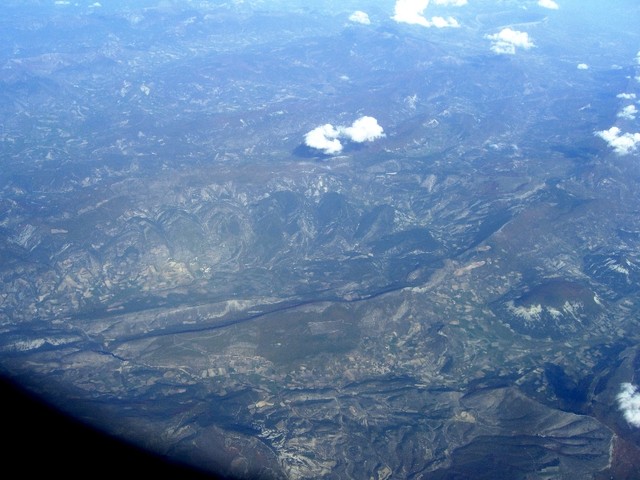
{"type": "Point", "coordinates": [328, 240]}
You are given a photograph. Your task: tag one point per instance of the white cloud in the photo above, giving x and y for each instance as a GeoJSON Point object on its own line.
{"type": "Point", "coordinates": [412, 12]}
{"type": "Point", "coordinates": [548, 4]}
{"type": "Point", "coordinates": [626, 96]}
{"type": "Point", "coordinates": [441, 22]}
{"type": "Point", "coordinates": [507, 40]}
{"type": "Point", "coordinates": [629, 403]}
{"type": "Point", "coordinates": [583, 66]}
{"type": "Point", "coordinates": [364, 129]}
{"type": "Point", "coordinates": [324, 138]}
{"type": "Point", "coordinates": [638, 58]}
{"type": "Point", "coordinates": [360, 17]}
{"type": "Point", "coordinates": [327, 137]}
{"type": "Point", "coordinates": [628, 112]}
{"type": "Point", "coordinates": [622, 144]}
{"type": "Point", "coordinates": [453, 3]}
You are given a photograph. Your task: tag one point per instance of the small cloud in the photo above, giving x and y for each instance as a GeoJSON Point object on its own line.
{"type": "Point", "coordinates": [324, 138]}
{"type": "Point", "coordinates": [360, 17]}
{"type": "Point", "coordinates": [453, 3]}
{"type": "Point", "coordinates": [441, 22]}
{"type": "Point", "coordinates": [622, 144]}
{"type": "Point", "coordinates": [638, 58]}
{"type": "Point", "coordinates": [507, 40]}
{"type": "Point", "coordinates": [548, 4]}
{"type": "Point", "coordinates": [327, 137]}
{"type": "Point", "coordinates": [626, 96]}
{"type": "Point", "coordinates": [364, 129]}
{"type": "Point", "coordinates": [628, 113]}
{"type": "Point", "coordinates": [412, 12]}
{"type": "Point", "coordinates": [95, 5]}
{"type": "Point", "coordinates": [583, 66]}
{"type": "Point", "coordinates": [629, 403]}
